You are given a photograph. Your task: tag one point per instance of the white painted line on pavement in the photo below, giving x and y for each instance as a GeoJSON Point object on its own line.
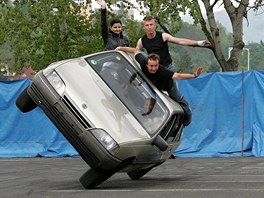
{"type": "Point", "coordinates": [158, 190]}
{"type": "Point", "coordinates": [252, 167]}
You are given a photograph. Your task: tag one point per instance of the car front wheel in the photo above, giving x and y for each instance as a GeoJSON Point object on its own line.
{"type": "Point", "coordinates": [137, 174]}
{"type": "Point", "coordinates": [92, 178]}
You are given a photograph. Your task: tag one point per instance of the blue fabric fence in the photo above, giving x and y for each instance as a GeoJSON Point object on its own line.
{"type": "Point", "coordinates": [227, 121]}
{"type": "Point", "coordinates": [29, 134]}
{"type": "Point", "coordinates": [227, 109]}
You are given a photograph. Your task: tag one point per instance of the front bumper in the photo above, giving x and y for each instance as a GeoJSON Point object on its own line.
{"type": "Point", "coordinates": [72, 125]}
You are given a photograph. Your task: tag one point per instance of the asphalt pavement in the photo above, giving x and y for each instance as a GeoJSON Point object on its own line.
{"type": "Point", "coordinates": [180, 178]}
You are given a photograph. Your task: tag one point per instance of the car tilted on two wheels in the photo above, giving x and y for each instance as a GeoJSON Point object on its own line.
{"type": "Point", "coordinates": [112, 115]}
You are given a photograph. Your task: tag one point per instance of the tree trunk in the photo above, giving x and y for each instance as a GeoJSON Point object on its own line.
{"type": "Point", "coordinates": [236, 15]}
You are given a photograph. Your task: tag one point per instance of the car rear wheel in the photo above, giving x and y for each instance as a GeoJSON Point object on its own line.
{"type": "Point", "coordinates": [92, 178]}
{"type": "Point", "coordinates": [24, 102]}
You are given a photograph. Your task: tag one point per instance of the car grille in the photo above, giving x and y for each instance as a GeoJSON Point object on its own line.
{"type": "Point", "coordinates": [75, 113]}
{"type": "Point", "coordinates": [65, 127]}
{"type": "Point", "coordinates": [173, 129]}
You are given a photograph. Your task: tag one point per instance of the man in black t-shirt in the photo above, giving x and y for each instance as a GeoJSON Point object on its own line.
{"type": "Point", "coordinates": [162, 77]}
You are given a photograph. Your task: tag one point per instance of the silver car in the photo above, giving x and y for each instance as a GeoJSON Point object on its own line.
{"type": "Point", "coordinates": [108, 110]}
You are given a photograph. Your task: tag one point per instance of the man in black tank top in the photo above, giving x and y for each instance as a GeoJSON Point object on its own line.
{"type": "Point", "coordinates": [157, 42]}
{"type": "Point", "coordinates": [158, 46]}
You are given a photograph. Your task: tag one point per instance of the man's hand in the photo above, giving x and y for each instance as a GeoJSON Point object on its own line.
{"type": "Point", "coordinates": [203, 43]}
{"type": "Point", "coordinates": [198, 72]}
{"type": "Point", "coordinates": [101, 3]}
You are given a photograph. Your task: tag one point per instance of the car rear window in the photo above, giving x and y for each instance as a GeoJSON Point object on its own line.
{"type": "Point", "coordinates": [131, 88]}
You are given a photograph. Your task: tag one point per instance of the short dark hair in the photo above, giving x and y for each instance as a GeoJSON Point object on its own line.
{"type": "Point", "coordinates": [148, 18]}
{"type": "Point", "coordinates": [113, 21]}
{"type": "Point", "coordinates": [153, 56]}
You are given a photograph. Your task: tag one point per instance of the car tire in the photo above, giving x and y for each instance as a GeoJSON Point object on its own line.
{"type": "Point", "coordinates": [24, 102]}
{"type": "Point", "coordinates": [92, 178]}
{"type": "Point", "coordinates": [137, 174]}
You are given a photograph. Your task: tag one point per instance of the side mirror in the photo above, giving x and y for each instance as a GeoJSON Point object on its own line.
{"type": "Point", "coordinates": [160, 143]}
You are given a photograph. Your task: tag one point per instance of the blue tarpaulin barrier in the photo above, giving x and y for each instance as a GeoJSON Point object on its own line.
{"type": "Point", "coordinates": [227, 109]}
{"type": "Point", "coordinates": [29, 134]}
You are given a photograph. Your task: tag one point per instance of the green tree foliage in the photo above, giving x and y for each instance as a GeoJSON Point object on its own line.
{"type": "Point", "coordinates": [134, 31]}
{"type": "Point", "coordinates": [256, 58]}
{"type": "Point", "coordinates": [170, 12]}
{"type": "Point", "coordinates": [197, 56]}
{"type": "Point", "coordinates": [41, 32]}
{"type": "Point", "coordinates": [37, 33]}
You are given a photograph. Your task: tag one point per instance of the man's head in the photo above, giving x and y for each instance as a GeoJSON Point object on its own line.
{"type": "Point", "coordinates": [149, 24]}
{"type": "Point", "coordinates": [153, 63]}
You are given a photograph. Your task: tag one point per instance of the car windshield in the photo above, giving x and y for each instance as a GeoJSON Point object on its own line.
{"type": "Point", "coordinates": [129, 86]}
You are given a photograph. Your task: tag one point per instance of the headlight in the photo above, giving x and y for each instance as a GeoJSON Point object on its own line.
{"type": "Point", "coordinates": [106, 140]}
{"type": "Point", "coordinates": [56, 82]}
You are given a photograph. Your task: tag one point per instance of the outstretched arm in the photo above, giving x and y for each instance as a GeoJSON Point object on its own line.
{"type": "Point", "coordinates": [184, 41]}
{"type": "Point", "coordinates": [129, 50]}
{"type": "Point", "coordinates": [180, 76]}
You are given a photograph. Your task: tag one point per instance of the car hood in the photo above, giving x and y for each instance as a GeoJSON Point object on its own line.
{"type": "Point", "coordinates": [97, 103]}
